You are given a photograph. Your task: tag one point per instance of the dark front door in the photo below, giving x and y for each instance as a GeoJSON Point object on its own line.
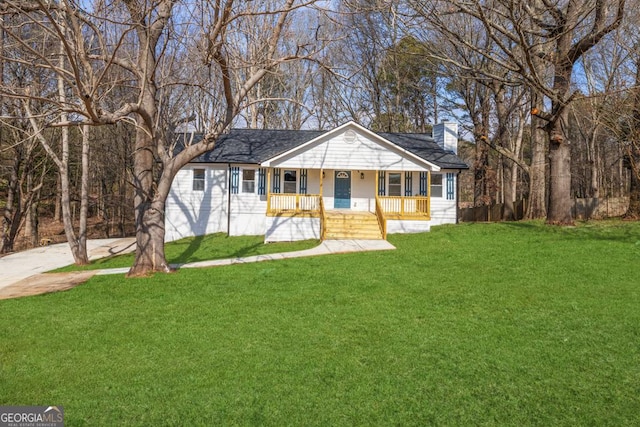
{"type": "Point", "coordinates": [342, 194]}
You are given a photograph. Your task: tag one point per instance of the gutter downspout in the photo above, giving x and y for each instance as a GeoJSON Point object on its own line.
{"type": "Point", "coordinates": [228, 199]}
{"type": "Point", "coordinates": [458, 196]}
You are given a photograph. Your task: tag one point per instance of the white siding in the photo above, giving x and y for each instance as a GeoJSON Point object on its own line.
{"type": "Point", "coordinates": [195, 213]}
{"type": "Point", "coordinates": [361, 154]}
{"type": "Point", "coordinates": [248, 213]}
{"type": "Point", "coordinates": [407, 226]}
{"type": "Point", "coordinates": [444, 211]}
{"type": "Point", "coordinates": [288, 229]}
{"type": "Point", "coordinates": [363, 191]}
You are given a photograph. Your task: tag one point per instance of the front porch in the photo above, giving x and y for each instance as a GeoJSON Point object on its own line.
{"type": "Point", "coordinates": [348, 223]}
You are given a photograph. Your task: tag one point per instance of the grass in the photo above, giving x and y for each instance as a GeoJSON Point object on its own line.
{"type": "Point", "coordinates": [203, 248]}
{"type": "Point", "coordinates": [477, 324]}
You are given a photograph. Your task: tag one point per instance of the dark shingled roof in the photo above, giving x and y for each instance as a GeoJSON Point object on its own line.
{"type": "Point", "coordinates": [426, 148]}
{"type": "Point", "coordinates": [254, 146]}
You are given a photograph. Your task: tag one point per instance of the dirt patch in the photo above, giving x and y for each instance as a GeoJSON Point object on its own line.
{"type": "Point", "coordinates": [45, 283]}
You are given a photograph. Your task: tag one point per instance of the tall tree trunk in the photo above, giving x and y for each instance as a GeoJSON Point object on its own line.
{"type": "Point", "coordinates": [518, 151]}
{"type": "Point", "coordinates": [149, 201]}
{"type": "Point", "coordinates": [78, 250]}
{"type": "Point", "coordinates": [30, 226]}
{"type": "Point", "coordinates": [149, 211]}
{"type": "Point", "coordinates": [537, 204]}
{"type": "Point", "coordinates": [57, 212]}
{"type": "Point", "coordinates": [481, 196]}
{"type": "Point", "coordinates": [84, 195]}
{"type": "Point", "coordinates": [6, 213]}
{"type": "Point", "coordinates": [504, 141]}
{"type": "Point", "coordinates": [31, 230]}
{"type": "Point", "coordinates": [633, 149]}
{"type": "Point", "coordinates": [633, 153]}
{"type": "Point", "coordinates": [633, 211]}
{"type": "Point", "coordinates": [77, 244]}
{"type": "Point", "coordinates": [560, 203]}
{"type": "Point", "coordinates": [594, 165]}
{"type": "Point", "coordinates": [10, 217]}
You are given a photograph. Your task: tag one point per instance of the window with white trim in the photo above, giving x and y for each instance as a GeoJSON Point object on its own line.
{"type": "Point", "coordinates": [395, 184]}
{"type": "Point", "coordinates": [248, 180]}
{"type": "Point", "coordinates": [198, 180]}
{"type": "Point", "coordinates": [290, 181]}
{"type": "Point", "coordinates": [436, 185]}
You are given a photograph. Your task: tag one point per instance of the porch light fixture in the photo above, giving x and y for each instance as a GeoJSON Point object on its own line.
{"type": "Point", "coordinates": [361, 175]}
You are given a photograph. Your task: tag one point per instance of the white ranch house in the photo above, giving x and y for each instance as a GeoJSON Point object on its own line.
{"type": "Point", "coordinates": [294, 185]}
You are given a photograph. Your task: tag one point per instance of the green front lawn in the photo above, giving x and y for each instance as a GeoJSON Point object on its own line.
{"type": "Point", "coordinates": [203, 248]}
{"type": "Point", "coordinates": [478, 324]}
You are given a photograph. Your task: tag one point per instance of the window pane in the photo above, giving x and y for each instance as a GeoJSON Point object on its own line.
{"type": "Point", "coordinates": [248, 181]}
{"type": "Point", "coordinates": [395, 184]}
{"type": "Point", "coordinates": [198, 180]}
{"type": "Point", "coordinates": [289, 187]}
{"type": "Point", "coordinates": [436, 185]}
{"type": "Point", "coordinates": [248, 187]}
{"type": "Point", "coordinates": [290, 177]}
{"type": "Point", "coordinates": [248, 174]}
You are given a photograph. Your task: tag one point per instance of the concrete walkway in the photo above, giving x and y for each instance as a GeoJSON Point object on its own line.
{"type": "Point", "coordinates": [21, 265]}
{"type": "Point", "coordinates": [20, 273]}
{"type": "Point", "coordinates": [325, 248]}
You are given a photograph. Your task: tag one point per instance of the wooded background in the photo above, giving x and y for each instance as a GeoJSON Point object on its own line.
{"type": "Point", "coordinates": [546, 93]}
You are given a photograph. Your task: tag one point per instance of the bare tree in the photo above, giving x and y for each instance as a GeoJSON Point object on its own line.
{"type": "Point", "coordinates": [540, 42]}
{"type": "Point", "coordinates": [149, 32]}
{"type": "Point", "coordinates": [633, 143]}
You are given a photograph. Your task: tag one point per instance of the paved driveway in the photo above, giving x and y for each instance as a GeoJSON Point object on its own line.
{"type": "Point", "coordinates": [21, 265]}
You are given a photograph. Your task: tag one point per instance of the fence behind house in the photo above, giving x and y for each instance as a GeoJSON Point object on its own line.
{"type": "Point", "coordinates": [582, 209]}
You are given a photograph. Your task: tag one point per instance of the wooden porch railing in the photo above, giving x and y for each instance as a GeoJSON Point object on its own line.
{"type": "Point", "coordinates": [405, 207]}
{"type": "Point", "coordinates": [278, 204]}
{"type": "Point", "coordinates": [382, 221]}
